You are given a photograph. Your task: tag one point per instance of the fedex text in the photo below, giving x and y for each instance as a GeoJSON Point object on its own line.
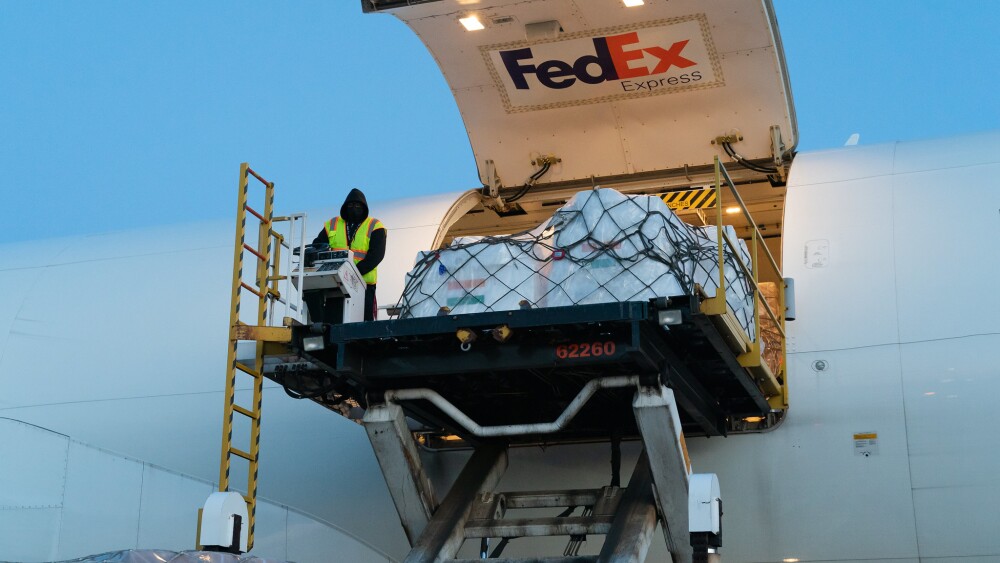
{"type": "Point", "coordinates": [615, 58]}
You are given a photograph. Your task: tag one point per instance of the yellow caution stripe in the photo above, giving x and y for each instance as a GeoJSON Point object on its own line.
{"type": "Point", "coordinates": [689, 199]}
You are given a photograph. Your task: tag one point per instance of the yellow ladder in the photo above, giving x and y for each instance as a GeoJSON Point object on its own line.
{"type": "Point", "coordinates": [264, 291]}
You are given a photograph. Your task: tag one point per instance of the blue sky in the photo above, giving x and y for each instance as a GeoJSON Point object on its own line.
{"type": "Point", "coordinates": [117, 115]}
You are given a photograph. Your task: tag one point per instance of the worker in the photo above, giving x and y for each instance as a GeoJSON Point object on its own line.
{"type": "Point", "coordinates": [354, 229]}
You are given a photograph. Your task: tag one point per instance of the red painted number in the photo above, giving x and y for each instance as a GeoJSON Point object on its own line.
{"type": "Point", "coordinates": [586, 350]}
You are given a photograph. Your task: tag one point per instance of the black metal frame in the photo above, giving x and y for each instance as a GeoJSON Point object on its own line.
{"type": "Point", "coordinates": [531, 376]}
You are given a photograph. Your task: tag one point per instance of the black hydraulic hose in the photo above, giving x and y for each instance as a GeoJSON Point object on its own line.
{"type": "Point", "coordinates": [322, 391]}
{"type": "Point", "coordinates": [745, 163]}
{"type": "Point", "coordinates": [315, 394]}
{"type": "Point", "coordinates": [734, 155]}
{"type": "Point", "coordinates": [531, 182]}
{"type": "Point", "coordinates": [519, 194]}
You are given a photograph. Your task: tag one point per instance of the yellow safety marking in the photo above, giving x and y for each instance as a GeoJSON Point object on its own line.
{"type": "Point", "coordinates": [245, 412]}
{"type": "Point", "coordinates": [870, 436]}
{"type": "Point", "coordinates": [247, 370]}
{"type": "Point", "coordinates": [690, 199]}
{"type": "Point", "coordinates": [241, 453]}
{"type": "Point", "coordinates": [265, 333]}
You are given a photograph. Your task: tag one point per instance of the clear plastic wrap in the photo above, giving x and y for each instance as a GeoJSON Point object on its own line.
{"type": "Point", "coordinates": [602, 246]}
{"type": "Point", "coordinates": [166, 556]}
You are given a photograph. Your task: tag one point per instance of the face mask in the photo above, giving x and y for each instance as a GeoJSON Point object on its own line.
{"type": "Point", "coordinates": [354, 214]}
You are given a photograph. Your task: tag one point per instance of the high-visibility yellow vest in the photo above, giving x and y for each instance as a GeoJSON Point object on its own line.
{"type": "Point", "coordinates": [336, 230]}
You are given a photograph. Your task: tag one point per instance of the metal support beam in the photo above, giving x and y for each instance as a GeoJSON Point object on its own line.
{"type": "Point", "coordinates": [552, 499]}
{"type": "Point", "coordinates": [445, 533]}
{"type": "Point", "coordinates": [412, 492]}
{"type": "Point", "coordinates": [659, 423]}
{"type": "Point", "coordinates": [634, 524]}
{"type": "Point", "coordinates": [700, 405]}
{"type": "Point", "coordinates": [531, 527]}
{"type": "Point", "coordinates": [265, 333]}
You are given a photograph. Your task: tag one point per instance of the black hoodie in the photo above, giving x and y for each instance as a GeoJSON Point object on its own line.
{"type": "Point", "coordinates": [376, 245]}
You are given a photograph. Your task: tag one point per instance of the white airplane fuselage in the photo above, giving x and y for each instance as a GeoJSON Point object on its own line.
{"type": "Point", "coordinates": [111, 342]}
{"type": "Point", "coordinates": [113, 346]}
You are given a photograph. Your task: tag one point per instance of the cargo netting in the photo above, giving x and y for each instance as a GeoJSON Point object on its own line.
{"type": "Point", "coordinates": [601, 246]}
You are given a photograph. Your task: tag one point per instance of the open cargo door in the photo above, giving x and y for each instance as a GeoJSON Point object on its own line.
{"type": "Point", "coordinates": [611, 91]}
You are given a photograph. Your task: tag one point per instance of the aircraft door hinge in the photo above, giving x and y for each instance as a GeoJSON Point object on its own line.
{"type": "Point", "coordinates": [492, 179]}
{"type": "Point", "coordinates": [492, 186]}
{"type": "Point", "coordinates": [778, 151]}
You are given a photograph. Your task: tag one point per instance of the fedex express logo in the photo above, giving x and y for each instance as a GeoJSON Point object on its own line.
{"type": "Point", "coordinates": [663, 57]}
{"type": "Point", "coordinates": [612, 61]}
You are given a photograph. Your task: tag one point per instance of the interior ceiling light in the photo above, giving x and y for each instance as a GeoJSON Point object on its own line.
{"type": "Point", "coordinates": [472, 23]}
{"type": "Point", "coordinates": [732, 210]}
{"type": "Point", "coordinates": [632, 3]}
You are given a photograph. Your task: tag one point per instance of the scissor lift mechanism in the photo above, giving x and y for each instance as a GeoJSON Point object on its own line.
{"type": "Point", "coordinates": [471, 509]}
{"type": "Point", "coordinates": [551, 376]}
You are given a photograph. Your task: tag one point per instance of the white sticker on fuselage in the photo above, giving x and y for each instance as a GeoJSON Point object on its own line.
{"type": "Point", "coordinates": [817, 253]}
{"type": "Point", "coordinates": [866, 444]}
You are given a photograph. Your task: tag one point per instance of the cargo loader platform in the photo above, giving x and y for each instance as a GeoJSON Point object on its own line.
{"type": "Point", "coordinates": [528, 366]}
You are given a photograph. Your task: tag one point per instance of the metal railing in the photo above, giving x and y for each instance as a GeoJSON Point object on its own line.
{"type": "Point", "coordinates": [771, 378]}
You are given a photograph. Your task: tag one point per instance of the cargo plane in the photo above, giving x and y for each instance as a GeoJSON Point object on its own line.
{"type": "Point", "coordinates": [878, 449]}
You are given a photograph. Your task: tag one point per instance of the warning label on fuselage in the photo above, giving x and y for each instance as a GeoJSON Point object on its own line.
{"type": "Point", "coordinates": [865, 444]}
{"type": "Point", "coordinates": [689, 199]}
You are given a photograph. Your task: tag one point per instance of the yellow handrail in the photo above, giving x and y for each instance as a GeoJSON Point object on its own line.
{"type": "Point", "coordinates": [717, 305]}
